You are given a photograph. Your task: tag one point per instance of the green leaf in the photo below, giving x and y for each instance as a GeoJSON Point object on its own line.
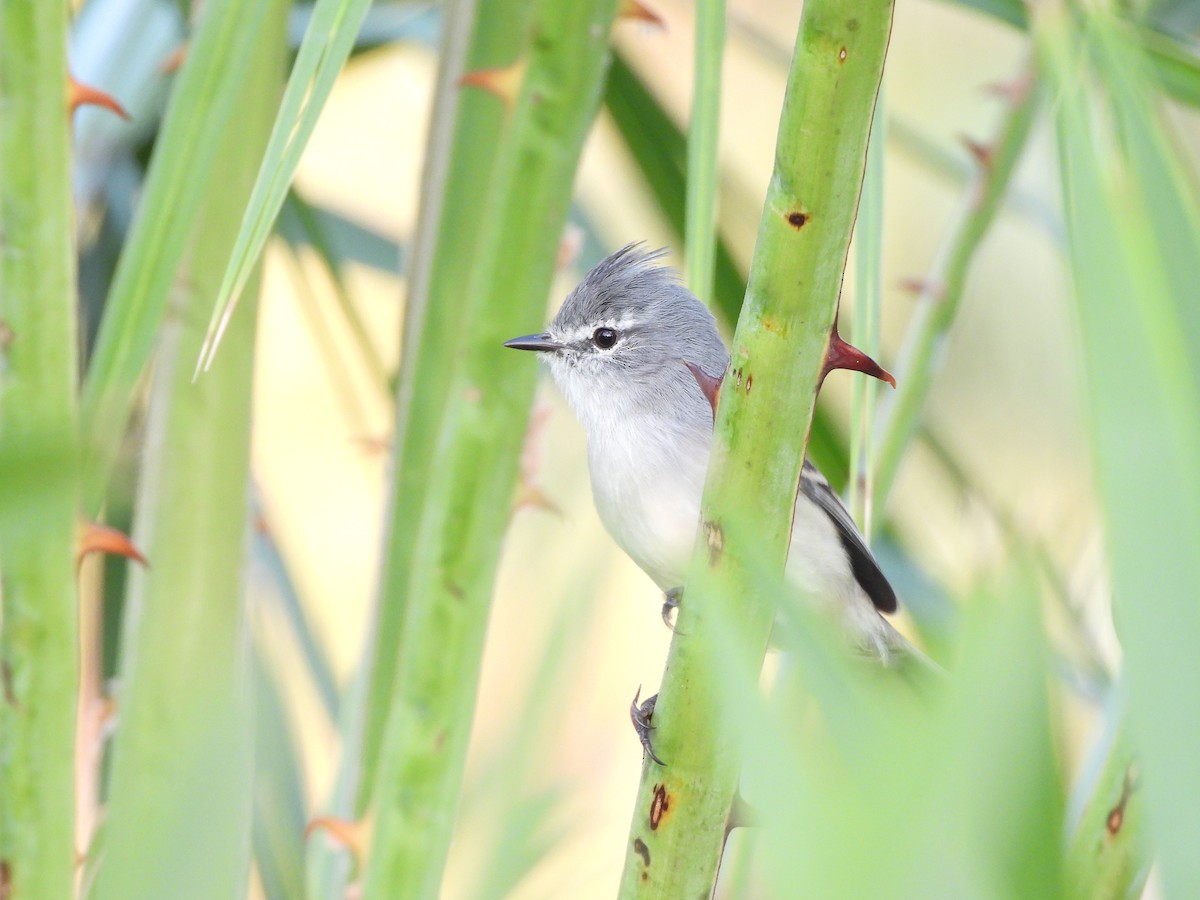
{"type": "Point", "coordinates": [200, 112]}
{"type": "Point", "coordinates": [1135, 256]}
{"type": "Point", "coordinates": [327, 44]}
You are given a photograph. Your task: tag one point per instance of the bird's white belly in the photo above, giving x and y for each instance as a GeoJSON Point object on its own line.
{"type": "Point", "coordinates": [651, 511]}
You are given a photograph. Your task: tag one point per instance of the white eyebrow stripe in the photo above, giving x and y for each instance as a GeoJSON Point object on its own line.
{"type": "Point", "coordinates": [585, 332]}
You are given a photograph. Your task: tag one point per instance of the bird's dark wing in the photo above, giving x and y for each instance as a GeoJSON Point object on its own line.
{"type": "Point", "coordinates": [866, 570]}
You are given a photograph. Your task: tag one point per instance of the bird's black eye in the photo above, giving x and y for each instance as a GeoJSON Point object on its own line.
{"type": "Point", "coordinates": [604, 338]}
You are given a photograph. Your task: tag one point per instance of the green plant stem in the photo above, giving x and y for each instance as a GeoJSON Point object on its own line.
{"type": "Point", "coordinates": [868, 281]}
{"type": "Point", "coordinates": [940, 294]}
{"type": "Point", "coordinates": [38, 376]}
{"type": "Point", "coordinates": [759, 440]}
{"type": "Point", "coordinates": [658, 146]}
{"type": "Point", "coordinates": [182, 756]}
{"type": "Point", "coordinates": [1106, 855]}
{"type": "Point", "coordinates": [470, 483]}
{"type": "Point", "coordinates": [703, 179]}
{"type": "Point", "coordinates": [460, 158]}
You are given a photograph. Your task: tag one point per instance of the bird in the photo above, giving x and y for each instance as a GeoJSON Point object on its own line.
{"type": "Point", "coordinates": [629, 350]}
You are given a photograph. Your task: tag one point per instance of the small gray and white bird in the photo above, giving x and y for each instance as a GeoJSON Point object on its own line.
{"type": "Point", "coordinates": [619, 351]}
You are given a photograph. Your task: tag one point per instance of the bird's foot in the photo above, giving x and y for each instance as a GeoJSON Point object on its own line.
{"type": "Point", "coordinates": [641, 716]}
{"type": "Point", "coordinates": [670, 605]}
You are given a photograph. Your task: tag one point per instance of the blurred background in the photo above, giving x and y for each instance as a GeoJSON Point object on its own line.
{"type": "Point", "coordinates": [1000, 463]}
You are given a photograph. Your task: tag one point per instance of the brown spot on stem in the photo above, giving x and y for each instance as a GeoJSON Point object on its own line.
{"type": "Point", "coordinates": [6, 676]}
{"type": "Point", "coordinates": [715, 536]}
{"type": "Point", "coordinates": [1116, 816]}
{"type": "Point", "coordinates": [5, 880]}
{"type": "Point", "coordinates": [797, 219]}
{"type": "Point", "coordinates": [6, 335]}
{"type": "Point", "coordinates": [640, 848]}
{"type": "Point", "coordinates": [842, 55]}
{"type": "Point", "coordinates": [660, 805]}
{"type": "Point", "coordinates": [1115, 819]}
{"type": "Point", "coordinates": [852, 24]}
{"type": "Point", "coordinates": [749, 382]}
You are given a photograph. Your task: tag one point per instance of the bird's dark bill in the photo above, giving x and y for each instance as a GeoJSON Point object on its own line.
{"type": "Point", "coordinates": [533, 342]}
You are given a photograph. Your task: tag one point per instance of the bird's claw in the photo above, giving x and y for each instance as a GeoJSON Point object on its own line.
{"type": "Point", "coordinates": [641, 716]}
{"type": "Point", "coordinates": [671, 600]}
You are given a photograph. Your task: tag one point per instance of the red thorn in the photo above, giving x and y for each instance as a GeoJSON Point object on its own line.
{"type": "Point", "coordinates": [980, 152]}
{"type": "Point", "coordinates": [79, 94]}
{"type": "Point", "coordinates": [568, 246]}
{"type": "Point", "coordinates": [350, 833]}
{"type": "Point", "coordinates": [639, 12]}
{"type": "Point", "coordinates": [96, 538]}
{"type": "Point", "coordinates": [924, 287]}
{"type": "Point", "coordinates": [709, 384]}
{"type": "Point", "coordinates": [841, 355]}
{"type": "Point", "coordinates": [504, 82]}
{"type": "Point", "coordinates": [374, 445]}
{"type": "Point", "coordinates": [1013, 91]}
{"type": "Point", "coordinates": [174, 60]}
{"type": "Point", "coordinates": [531, 496]}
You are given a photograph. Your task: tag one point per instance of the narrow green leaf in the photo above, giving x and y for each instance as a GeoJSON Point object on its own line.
{"type": "Point", "coordinates": [1135, 258]}
{"type": "Point", "coordinates": [180, 176]}
{"type": "Point", "coordinates": [703, 179]}
{"type": "Point", "coordinates": [868, 302]}
{"type": "Point", "coordinates": [38, 374]}
{"type": "Point", "coordinates": [279, 811]}
{"type": "Point", "coordinates": [327, 44]}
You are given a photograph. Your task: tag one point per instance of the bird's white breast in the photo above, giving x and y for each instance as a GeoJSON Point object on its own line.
{"type": "Point", "coordinates": [647, 480]}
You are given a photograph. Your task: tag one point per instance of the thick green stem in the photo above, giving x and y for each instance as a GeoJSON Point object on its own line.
{"type": "Point", "coordinates": [38, 468]}
{"type": "Point", "coordinates": [1106, 856]}
{"type": "Point", "coordinates": [459, 165]}
{"type": "Point", "coordinates": [759, 441]}
{"type": "Point", "coordinates": [182, 756]}
{"type": "Point", "coordinates": [469, 482]}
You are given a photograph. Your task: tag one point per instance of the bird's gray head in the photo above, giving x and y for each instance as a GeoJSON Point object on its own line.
{"type": "Point", "coordinates": [622, 339]}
